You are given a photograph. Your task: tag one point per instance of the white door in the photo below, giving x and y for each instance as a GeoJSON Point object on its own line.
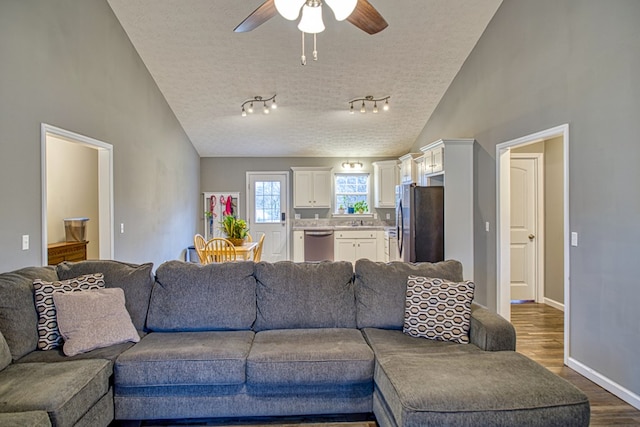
{"type": "Point", "coordinates": [524, 219]}
{"type": "Point", "coordinates": [268, 213]}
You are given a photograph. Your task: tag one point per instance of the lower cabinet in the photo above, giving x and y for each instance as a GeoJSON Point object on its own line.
{"type": "Point", "coordinates": [298, 246]}
{"type": "Point", "coordinates": [353, 245]}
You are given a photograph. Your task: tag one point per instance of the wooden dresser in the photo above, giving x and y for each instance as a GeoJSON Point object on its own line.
{"type": "Point", "coordinates": [66, 251]}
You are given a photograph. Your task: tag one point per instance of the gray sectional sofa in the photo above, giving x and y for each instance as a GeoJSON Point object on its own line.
{"type": "Point", "coordinates": [272, 339]}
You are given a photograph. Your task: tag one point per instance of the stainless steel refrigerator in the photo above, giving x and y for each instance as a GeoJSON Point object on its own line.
{"type": "Point", "coordinates": [420, 223]}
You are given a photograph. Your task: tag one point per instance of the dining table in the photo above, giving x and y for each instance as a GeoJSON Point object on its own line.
{"type": "Point", "coordinates": [246, 251]}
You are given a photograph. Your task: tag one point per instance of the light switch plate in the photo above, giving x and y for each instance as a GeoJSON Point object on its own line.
{"type": "Point", "coordinates": [25, 242]}
{"type": "Point", "coordinates": [574, 238]}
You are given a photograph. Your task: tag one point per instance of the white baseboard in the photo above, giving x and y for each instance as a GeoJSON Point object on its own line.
{"type": "Point", "coordinates": [604, 382]}
{"type": "Point", "coordinates": [554, 304]}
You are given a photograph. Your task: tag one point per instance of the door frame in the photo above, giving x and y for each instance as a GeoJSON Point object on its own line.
{"type": "Point", "coordinates": [287, 201]}
{"type": "Point", "coordinates": [105, 186]}
{"type": "Point", "coordinates": [538, 159]}
{"type": "Point", "coordinates": [503, 190]}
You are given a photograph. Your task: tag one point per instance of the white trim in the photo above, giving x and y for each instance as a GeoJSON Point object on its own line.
{"type": "Point", "coordinates": [503, 153]}
{"type": "Point", "coordinates": [627, 395]}
{"type": "Point", "coordinates": [552, 303]}
{"type": "Point", "coordinates": [538, 159]}
{"type": "Point", "coordinates": [105, 186]}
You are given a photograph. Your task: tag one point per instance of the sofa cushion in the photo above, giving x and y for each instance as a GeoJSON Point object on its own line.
{"type": "Point", "coordinates": [387, 343]}
{"type": "Point", "coordinates": [66, 390]}
{"type": "Point", "coordinates": [380, 288]}
{"type": "Point", "coordinates": [438, 309]}
{"type": "Point", "coordinates": [22, 419]}
{"type": "Point", "coordinates": [57, 354]}
{"type": "Point", "coordinates": [48, 331]}
{"type": "Point", "coordinates": [304, 295]}
{"type": "Point", "coordinates": [179, 358]}
{"type": "Point", "coordinates": [312, 357]}
{"type": "Point", "coordinates": [192, 297]}
{"type": "Point", "coordinates": [93, 319]}
{"type": "Point", "coordinates": [483, 388]}
{"type": "Point", "coordinates": [5, 353]}
{"type": "Point", "coordinates": [18, 317]}
{"type": "Point", "coordinates": [136, 280]}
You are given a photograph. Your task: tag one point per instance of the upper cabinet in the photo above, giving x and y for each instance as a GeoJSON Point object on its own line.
{"type": "Point", "coordinates": [409, 168]}
{"type": "Point", "coordinates": [433, 159]}
{"type": "Point", "coordinates": [311, 187]}
{"type": "Point", "coordinates": [385, 175]}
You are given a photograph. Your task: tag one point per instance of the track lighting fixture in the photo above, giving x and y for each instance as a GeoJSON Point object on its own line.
{"type": "Point", "coordinates": [369, 98]}
{"type": "Point", "coordinates": [258, 99]}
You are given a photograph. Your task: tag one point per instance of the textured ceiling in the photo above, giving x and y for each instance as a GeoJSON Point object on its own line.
{"type": "Point", "coordinates": [206, 71]}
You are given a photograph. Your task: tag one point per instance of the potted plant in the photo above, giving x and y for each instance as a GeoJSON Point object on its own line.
{"type": "Point", "coordinates": [235, 229]}
{"type": "Point", "coordinates": [360, 206]}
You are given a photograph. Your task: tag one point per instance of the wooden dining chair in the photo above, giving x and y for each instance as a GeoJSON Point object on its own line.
{"type": "Point", "coordinates": [199, 243]}
{"type": "Point", "coordinates": [249, 238]}
{"type": "Point", "coordinates": [219, 249]}
{"type": "Point", "coordinates": [258, 252]}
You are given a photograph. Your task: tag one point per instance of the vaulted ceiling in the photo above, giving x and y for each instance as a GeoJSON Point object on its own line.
{"type": "Point", "coordinates": [206, 71]}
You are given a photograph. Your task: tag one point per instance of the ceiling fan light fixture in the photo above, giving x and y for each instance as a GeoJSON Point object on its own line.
{"type": "Point", "coordinates": [311, 21]}
{"type": "Point", "coordinates": [342, 9]}
{"type": "Point", "coordinates": [289, 9]}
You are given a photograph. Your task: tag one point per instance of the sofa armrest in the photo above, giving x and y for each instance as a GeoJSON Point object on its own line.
{"type": "Point", "coordinates": [490, 331]}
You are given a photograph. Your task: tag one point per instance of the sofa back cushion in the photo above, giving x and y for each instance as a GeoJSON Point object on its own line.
{"type": "Point", "coordinates": [5, 353]}
{"type": "Point", "coordinates": [381, 288]}
{"type": "Point", "coordinates": [136, 280]}
{"type": "Point", "coordinates": [192, 297]}
{"type": "Point", "coordinates": [18, 317]}
{"type": "Point", "coordinates": [305, 295]}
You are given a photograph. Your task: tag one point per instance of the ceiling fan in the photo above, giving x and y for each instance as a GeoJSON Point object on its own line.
{"type": "Point", "coordinates": [358, 12]}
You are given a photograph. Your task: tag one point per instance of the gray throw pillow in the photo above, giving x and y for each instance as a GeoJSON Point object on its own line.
{"type": "Point", "coordinates": [93, 319]}
{"type": "Point", "coordinates": [438, 309]}
{"type": "Point", "coordinates": [5, 353]}
{"type": "Point", "coordinates": [48, 333]}
{"type": "Point", "coordinates": [380, 289]}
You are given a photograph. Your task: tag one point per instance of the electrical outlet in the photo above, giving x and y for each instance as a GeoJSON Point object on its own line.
{"type": "Point", "coordinates": [25, 242]}
{"type": "Point", "coordinates": [486, 226]}
{"type": "Point", "coordinates": [297, 216]}
{"type": "Point", "coordinates": [388, 216]}
{"type": "Point", "coordinates": [574, 238]}
{"type": "Point", "coordinates": [122, 228]}
{"type": "Point", "coordinates": [316, 216]}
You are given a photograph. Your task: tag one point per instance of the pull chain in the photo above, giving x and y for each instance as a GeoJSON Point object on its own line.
{"type": "Point", "coordinates": [315, 50]}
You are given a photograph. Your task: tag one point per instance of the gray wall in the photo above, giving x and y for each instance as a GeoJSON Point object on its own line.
{"type": "Point", "coordinates": [540, 64]}
{"type": "Point", "coordinates": [68, 63]}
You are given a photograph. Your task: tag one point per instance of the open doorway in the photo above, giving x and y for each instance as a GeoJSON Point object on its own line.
{"type": "Point", "coordinates": [99, 174]}
{"type": "Point", "coordinates": [553, 257]}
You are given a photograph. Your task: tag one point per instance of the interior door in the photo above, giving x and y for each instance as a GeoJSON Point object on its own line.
{"type": "Point", "coordinates": [268, 213]}
{"type": "Point", "coordinates": [524, 212]}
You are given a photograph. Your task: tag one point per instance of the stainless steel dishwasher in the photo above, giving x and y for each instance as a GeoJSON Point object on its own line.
{"type": "Point", "coordinates": [318, 245]}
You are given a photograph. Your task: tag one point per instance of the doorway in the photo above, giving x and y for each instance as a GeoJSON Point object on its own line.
{"type": "Point", "coordinates": [103, 170]}
{"type": "Point", "coordinates": [557, 231]}
{"type": "Point", "coordinates": [268, 212]}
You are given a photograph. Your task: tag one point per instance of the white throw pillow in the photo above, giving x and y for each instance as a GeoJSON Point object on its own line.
{"type": "Point", "coordinates": [438, 309]}
{"type": "Point", "coordinates": [93, 319]}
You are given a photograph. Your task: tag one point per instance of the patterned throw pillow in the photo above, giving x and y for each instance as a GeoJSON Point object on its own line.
{"type": "Point", "coordinates": [48, 332]}
{"type": "Point", "coordinates": [438, 309]}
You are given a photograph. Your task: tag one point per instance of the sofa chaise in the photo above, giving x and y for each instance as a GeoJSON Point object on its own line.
{"type": "Point", "coordinates": [251, 339]}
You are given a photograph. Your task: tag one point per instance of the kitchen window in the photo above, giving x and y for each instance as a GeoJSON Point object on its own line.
{"type": "Point", "coordinates": [350, 188]}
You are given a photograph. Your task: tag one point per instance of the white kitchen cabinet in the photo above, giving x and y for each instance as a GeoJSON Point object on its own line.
{"type": "Point", "coordinates": [352, 245]}
{"type": "Point", "coordinates": [385, 174]}
{"type": "Point", "coordinates": [452, 166]}
{"type": "Point", "coordinates": [298, 246]}
{"type": "Point", "coordinates": [408, 168]}
{"type": "Point", "coordinates": [311, 187]}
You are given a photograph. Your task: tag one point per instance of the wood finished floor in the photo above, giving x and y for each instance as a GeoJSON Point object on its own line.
{"type": "Point", "coordinates": [540, 335]}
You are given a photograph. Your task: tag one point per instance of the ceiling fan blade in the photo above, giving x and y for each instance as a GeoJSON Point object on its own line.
{"type": "Point", "coordinates": [367, 18]}
{"type": "Point", "coordinates": [262, 14]}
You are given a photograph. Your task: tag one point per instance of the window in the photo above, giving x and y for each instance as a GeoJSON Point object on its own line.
{"type": "Point", "coordinates": [351, 188]}
{"type": "Point", "coordinates": [267, 201]}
